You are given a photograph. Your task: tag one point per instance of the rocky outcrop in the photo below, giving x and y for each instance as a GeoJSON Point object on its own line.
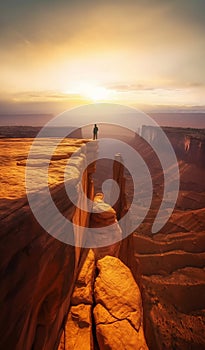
{"type": "Point", "coordinates": [185, 221]}
{"type": "Point", "coordinates": [192, 242]}
{"type": "Point", "coordinates": [189, 144]}
{"type": "Point", "coordinates": [121, 207]}
{"type": "Point", "coordinates": [118, 175]}
{"type": "Point", "coordinates": [37, 271]}
{"type": "Point", "coordinates": [118, 312]}
{"type": "Point", "coordinates": [81, 216]}
{"type": "Point", "coordinates": [103, 237]}
{"type": "Point", "coordinates": [173, 306]}
{"type": "Point", "coordinates": [78, 329]}
{"type": "Point", "coordinates": [77, 332]}
{"type": "Point", "coordinates": [164, 254]}
{"type": "Point", "coordinates": [83, 290]}
{"type": "Point", "coordinates": [183, 288]}
{"type": "Point", "coordinates": [117, 304]}
{"type": "Point", "coordinates": [172, 262]}
{"type": "Point", "coordinates": [163, 263]}
{"type": "Point", "coordinates": [172, 283]}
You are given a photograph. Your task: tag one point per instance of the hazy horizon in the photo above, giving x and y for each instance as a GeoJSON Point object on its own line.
{"type": "Point", "coordinates": [173, 119]}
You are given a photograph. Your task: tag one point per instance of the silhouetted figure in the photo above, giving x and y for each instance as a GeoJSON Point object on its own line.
{"type": "Point", "coordinates": [95, 132]}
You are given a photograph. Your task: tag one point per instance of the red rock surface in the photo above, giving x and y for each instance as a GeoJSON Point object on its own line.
{"type": "Point", "coordinates": [118, 312]}
{"type": "Point", "coordinates": [37, 271]}
{"type": "Point", "coordinates": [77, 333]}
{"type": "Point", "coordinates": [172, 262]}
{"type": "Point", "coordinates": [104, 216]}
{"type": "Point", "coordinates": [107, 311]}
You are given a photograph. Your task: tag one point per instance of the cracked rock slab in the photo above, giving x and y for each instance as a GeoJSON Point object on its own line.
{"type": "Point", "coordinates": [118, 313]}
{"type": "Point", "coordinates": [102, 316]}
{"type": "Point", "coordinates": [120, 335]}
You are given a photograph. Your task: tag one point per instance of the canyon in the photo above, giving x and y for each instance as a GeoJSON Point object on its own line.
{"type": "Point", "coordinates": [144, 291]}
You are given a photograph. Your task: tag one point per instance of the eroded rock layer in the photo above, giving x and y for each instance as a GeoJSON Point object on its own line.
{"type": "Point", "coordinates": [172, 262]}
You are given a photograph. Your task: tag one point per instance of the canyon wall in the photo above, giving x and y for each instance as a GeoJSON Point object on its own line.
{"type": "Point", "coordinates": [42, 277]}
{"type": "Point", "coordinates": [38, 271]}
{"type": "Point", "coordinates": [188, 144]}
{"type": "Point", "coordinates": [172, 262]}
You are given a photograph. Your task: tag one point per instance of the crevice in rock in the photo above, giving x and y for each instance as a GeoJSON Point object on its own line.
{"type": "Point", "coordinates": [97, 309]}
{"type": "Point", "coordinates": [117, 319]}
{"type": "Point", "coordinates": [95, 341]}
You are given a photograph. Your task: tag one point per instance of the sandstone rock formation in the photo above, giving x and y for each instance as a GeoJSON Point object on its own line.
{"type": "Point", "coordinates": [103, 237]}
{"type": "Point", "coordinates": [173, 306]}
{"type": "Point", "coordinates": [78, 329]}
{"type": "Point", "coordinates": [83, 291]}
{"type": "Point", "coordinates": [118, 175]}
{"type": "Point", "coordinates": [118, 311]}
{"type": "Point", "coordinates": [172, 262]}
{"type": "Point", "coordinates": [38, 272]}
{"type": "Point", "coordinates": [173, 289]}
{"type": "Point", "coordinates": [77, 332]}
{"type": "Point", "coordinates": [121, 208]}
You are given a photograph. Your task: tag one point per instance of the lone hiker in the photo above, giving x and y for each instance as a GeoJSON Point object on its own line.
{"type": "Point", "coordinates": [95, 132]}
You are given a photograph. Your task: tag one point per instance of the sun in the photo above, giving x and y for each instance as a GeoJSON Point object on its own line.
{"type": "Point", "coordinates": [97, 93]}
{"type": "Point", "coordinates": [92, 92]}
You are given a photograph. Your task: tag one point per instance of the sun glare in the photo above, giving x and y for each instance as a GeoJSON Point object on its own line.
{"type": "Point", "coordinates": [92, 92]}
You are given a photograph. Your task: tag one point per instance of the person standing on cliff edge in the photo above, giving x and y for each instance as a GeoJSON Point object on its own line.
{"type": "Point", "coordinates": [95, 132]}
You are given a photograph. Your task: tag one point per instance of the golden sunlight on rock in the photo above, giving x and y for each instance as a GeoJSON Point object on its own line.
{"type": "Point", "coordinates": [13, 157]}
{"type": "Point", "coordinates": [118, 314]}
{"type": "Point", "coordinates": [104, 214]}
{"type": "Point", "coordinates": [83, 291]}
{"type": "Point", "coordinates": [78, 329]}
{"type": "Point", "coordinates": [13, 160]}
{"type": "Point", "coordinates": [144, 291]}
{"type": "Point", "coordinates": [115, 301]}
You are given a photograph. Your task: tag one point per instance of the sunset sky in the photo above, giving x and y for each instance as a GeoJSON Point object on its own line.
{"type": "Point", "coordinates": [58, 54]}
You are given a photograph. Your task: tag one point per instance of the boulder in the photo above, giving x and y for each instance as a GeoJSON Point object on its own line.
{"type": "Point", "coordinates": [120, 335]}
{"type": "Point", "coordinates": [118, 312]}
